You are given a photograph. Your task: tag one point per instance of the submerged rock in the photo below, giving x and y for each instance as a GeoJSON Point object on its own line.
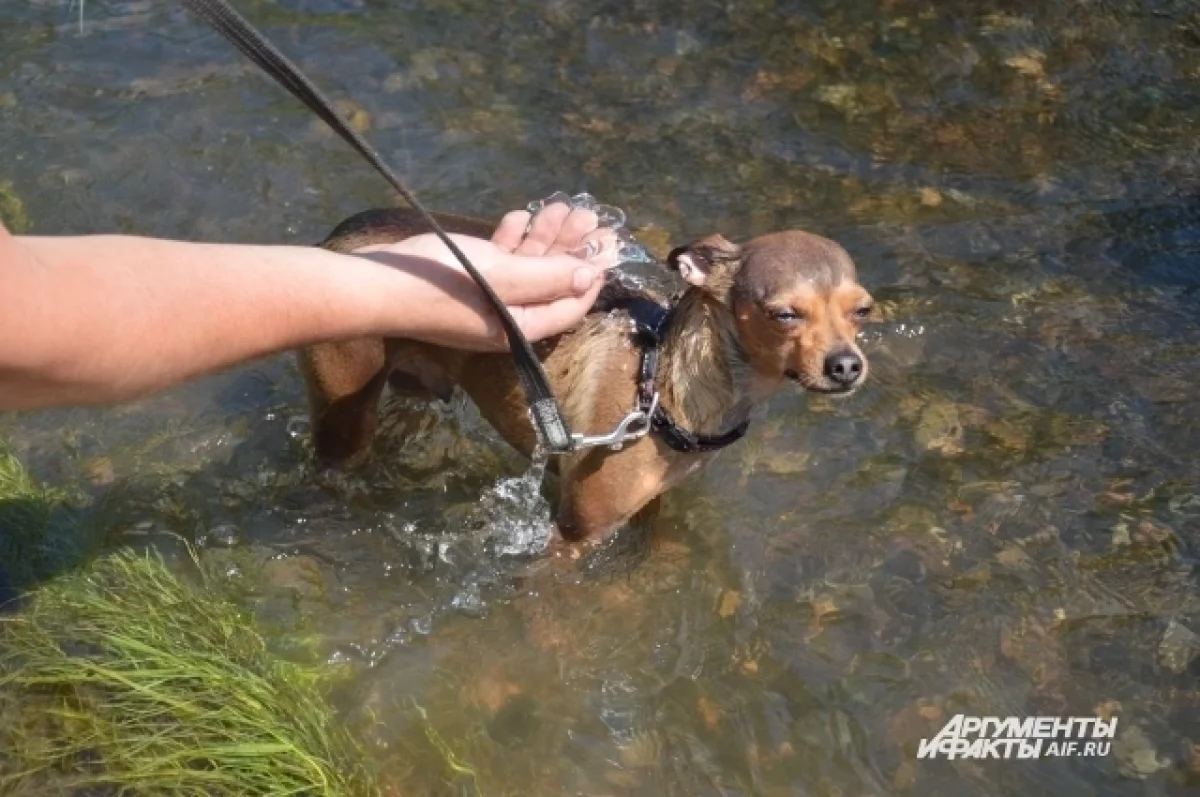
{"type": "Point", "coordinates": [940, 428]}
{"type": "Point", "coordinates": [1178, 647]}
{"type": "Point", "coordinates": [300, 574]}
{"type": "Point", "coordinates": [1136, 755]}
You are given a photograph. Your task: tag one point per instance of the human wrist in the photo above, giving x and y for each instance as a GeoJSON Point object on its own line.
{"type": "Point", "coordinates": [388, 295]}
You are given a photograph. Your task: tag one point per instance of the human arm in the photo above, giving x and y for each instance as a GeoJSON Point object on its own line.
{"type": "Point", "coordinates": [107, 318]}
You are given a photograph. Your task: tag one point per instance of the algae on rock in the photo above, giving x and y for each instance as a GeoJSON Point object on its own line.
{"type": "Point", "coordinates": [12, 209]}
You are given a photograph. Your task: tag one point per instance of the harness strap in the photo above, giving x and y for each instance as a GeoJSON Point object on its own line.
{"type": "Point", "coordinates": [549, 421]}
{"type": "Point", "coordinates": [652, 321]}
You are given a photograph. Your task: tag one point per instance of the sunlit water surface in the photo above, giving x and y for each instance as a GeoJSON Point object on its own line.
{"type": "Point", "coordinates": [1003, 522]}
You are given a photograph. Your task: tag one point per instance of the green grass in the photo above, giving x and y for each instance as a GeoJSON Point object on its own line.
{"type": "Point", "coordinates": [123, 676]}
{"type": "Point", "coordinates": [120, 677]}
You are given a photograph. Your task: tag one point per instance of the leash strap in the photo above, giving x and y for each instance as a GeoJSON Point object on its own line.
{"type": "Point", "coordinates": [547, 416]}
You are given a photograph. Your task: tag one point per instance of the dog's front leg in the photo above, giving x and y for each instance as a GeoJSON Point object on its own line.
{"type": "Point", "coordinates": [344, 381]}
{"type": "Point", "coordinates": [602, 490]}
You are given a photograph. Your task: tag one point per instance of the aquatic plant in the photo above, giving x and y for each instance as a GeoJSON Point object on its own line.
{"type": "Point", "coordinates": [123, 677]}
{"type": "Point", "coordinates": [12, 209]}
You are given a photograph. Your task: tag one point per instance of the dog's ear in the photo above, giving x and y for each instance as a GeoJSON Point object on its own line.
{"type": "Point", "coordinates": [699, 261]}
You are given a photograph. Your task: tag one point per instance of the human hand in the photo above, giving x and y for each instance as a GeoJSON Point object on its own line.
{"type": "Point", "coordinates": [548, 276]}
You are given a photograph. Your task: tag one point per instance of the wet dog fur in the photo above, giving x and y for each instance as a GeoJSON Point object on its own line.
{"type": "Point", "coordinates": [782, 307]}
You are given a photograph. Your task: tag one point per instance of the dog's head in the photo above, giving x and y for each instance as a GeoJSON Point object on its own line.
{"type": "Point", "coordinates": [795, 302]}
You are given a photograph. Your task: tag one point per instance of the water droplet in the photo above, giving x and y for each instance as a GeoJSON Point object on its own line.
{"type": "Point", "coordinates": [469, 601]}
{"type": "Point", "coordinates": [298, 426]}
{"type": "Point", "coordinates": [584, 201]}
{"type": "Point", "coordinates": [225, 535]}
{"type": "Point", "coordinates": [610, 216]}
{"type": "Point", "coordinates": [398, 637]}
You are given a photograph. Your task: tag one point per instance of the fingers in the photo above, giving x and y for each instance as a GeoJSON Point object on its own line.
{"type": "Point", "coordinates": [556, 228]}
{"type": "Point", "coordinates": [579, 223]}
{"type": "Point", "coordinates": [600, 247]}
{"type": "Point", "coordinates": [538, 321]}
{"type": "Point", "coordinates": [544, 301]}
{"type": "Point", "coordinates": [511, 230]}
{"type": "Point", "coordinates": [528, 280]}
{"type": "Point", "coordinates": [545, 229]}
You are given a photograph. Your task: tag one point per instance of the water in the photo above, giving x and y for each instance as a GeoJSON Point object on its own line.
{"type": "Point", "coordinates": [517, 513]}
{"type": "Point", "coordinates": [630, 252]}
{"type": "Point", "coordinates": [1004, 521]}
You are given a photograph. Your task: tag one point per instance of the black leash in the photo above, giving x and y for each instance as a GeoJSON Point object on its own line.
{"type": "Point", "coordinates": [551, 425]}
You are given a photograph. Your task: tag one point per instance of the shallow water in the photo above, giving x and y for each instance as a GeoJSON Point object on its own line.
{"type": "Point", "coordinates": [1003, 522]}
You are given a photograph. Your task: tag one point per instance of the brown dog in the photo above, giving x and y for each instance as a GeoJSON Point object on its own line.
{"type": "Point", "coordinates": [783, 306]}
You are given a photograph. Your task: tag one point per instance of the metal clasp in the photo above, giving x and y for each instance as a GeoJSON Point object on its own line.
{"type": "Point", "coordinates": [634, 426]}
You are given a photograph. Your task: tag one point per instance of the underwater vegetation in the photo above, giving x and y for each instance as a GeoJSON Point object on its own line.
{"type": "Point", "coordinates": [123, 678]}
{"type": "Point", "coordinates": [12, 209]}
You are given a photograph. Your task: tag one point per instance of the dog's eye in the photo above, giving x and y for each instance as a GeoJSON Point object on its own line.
{"type": "Point", "coordinates": [787, 315]}
{"type": "Point", "coordinates": [864, 311]}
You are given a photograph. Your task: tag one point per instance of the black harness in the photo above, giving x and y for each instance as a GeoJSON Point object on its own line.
{"type": "Point", "coordinates": [652, 320]}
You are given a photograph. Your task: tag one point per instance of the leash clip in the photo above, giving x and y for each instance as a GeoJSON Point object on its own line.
{"type": "Point", "coordinates": [633, 426]}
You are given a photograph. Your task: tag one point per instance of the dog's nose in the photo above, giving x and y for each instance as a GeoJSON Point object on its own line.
{"type": "Point", "coordinates": [844, 367]}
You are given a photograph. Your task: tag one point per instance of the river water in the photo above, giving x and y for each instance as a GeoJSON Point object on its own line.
{"type": "Point", "coordinates": [1003, 522]}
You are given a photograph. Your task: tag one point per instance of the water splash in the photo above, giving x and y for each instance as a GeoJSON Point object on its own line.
{"type": "Point", "coordinates": [516, 515]}
{"type": "Point", "coordinates": [630, 251]}
{"type": "Point", "coordinates": [512, 519]}
{"type": "Point", "coordinates": [902, 330]}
